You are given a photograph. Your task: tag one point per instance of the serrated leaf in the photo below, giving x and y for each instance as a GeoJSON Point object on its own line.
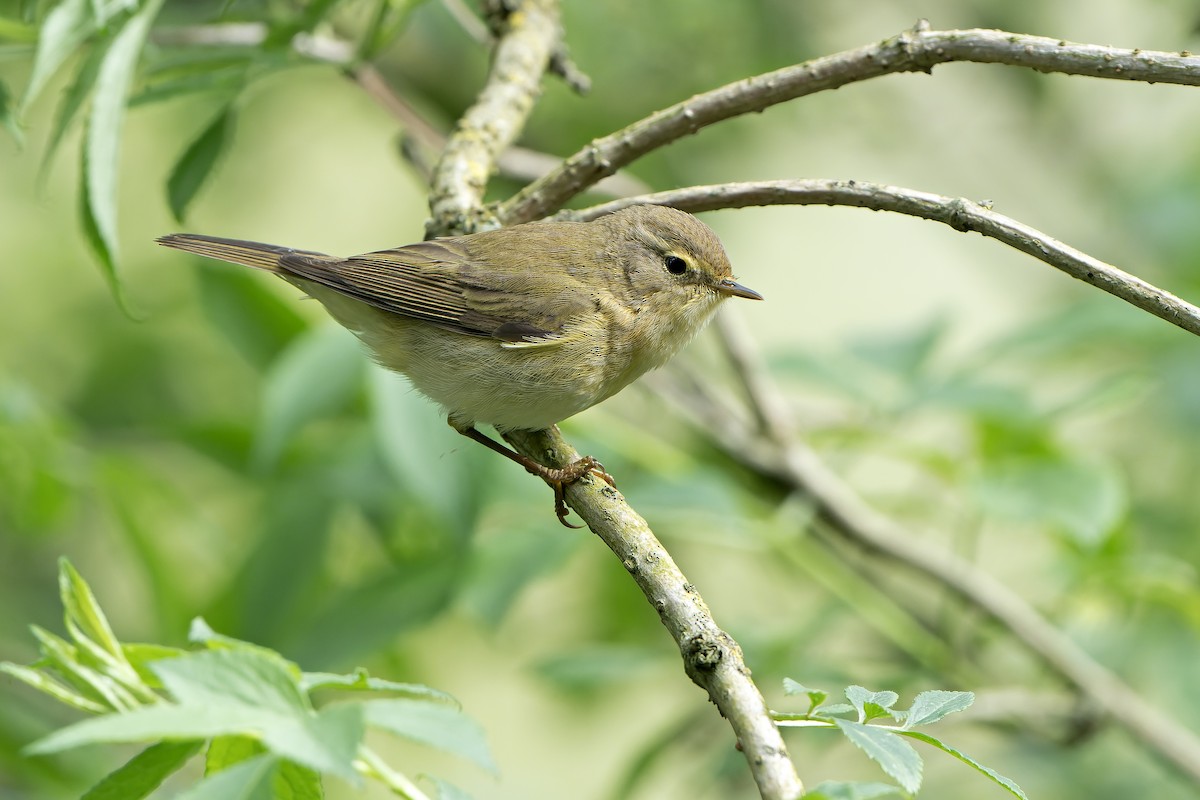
{"type": "Point", "coordinates": [1008, 784]}
{"type": "Point", "coordinates": [198, 161]}
{"type": "Point", "coordinates": [143, 773]}
{"type": "Point", "coordinates": [815, 696]}
{"type": "Point", "coordinates": [871, 705]}
{"type": "Point", "coordinates": [241, 677]}
{"type": "Point", "coordinates": [250, 780]}
{"type": "Point", "coordinates": [433, 724]}
{"type": "Point", "coordinates": [360, 681]}
{"type": "Point", "coordinates": [65, 28]}
{"type": "Point", "coordinates": [316, 376]}
{"type": "Point", "coordinates": [102, 140]}
{"type": "Point", "coordinates": [884, 747]}
{"type": "Point", "coordinates": [931, 706]}
{"type": "Point", "coordinates": [841, 790]}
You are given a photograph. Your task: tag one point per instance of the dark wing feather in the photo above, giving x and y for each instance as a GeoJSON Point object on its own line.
{"type": "Point", "coordinates": [425, 281]}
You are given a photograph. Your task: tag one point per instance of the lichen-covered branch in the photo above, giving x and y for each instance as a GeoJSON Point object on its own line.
{"type": "Point", "coordinates": [918, 50]}
{"type": "Point", "coordinates": [711, 658]}
{"type": "Point", "coordinates": [495, 120]}
{"type": "Point", "coordinates": [957, 212]}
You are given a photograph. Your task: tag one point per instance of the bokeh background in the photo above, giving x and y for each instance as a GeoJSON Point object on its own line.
{"type": "Point", "coordinates": [225, 452]}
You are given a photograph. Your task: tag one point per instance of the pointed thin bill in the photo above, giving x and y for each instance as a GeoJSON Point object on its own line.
{"type": "Point", "coordinates": [733, 289]}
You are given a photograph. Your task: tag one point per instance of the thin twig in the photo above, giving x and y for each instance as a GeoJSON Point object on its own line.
{"type": "Point", "coordinates": [834, 502]}
{"type": "Point", "coordinates": [957, 212]}
{"type": "Point", "coordinates": [918, 50]}
{"type": "Point", "coordinates": [494, 121]}
{"type": "Point", "coordinates": [712, 659]}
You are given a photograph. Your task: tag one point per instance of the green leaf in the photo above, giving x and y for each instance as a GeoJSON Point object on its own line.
{"type": "Point", "coordinates": [242, 677]}
{"type": "Point", "coordinates": [294, 782]}
{"type": "Point", "coordinates": [931, 706]}
{"type": "Point", "coordinates": [102, 140]}
{"type": "Point", "coordinates": [360, 681]}
{"type": "Point", "coordinates": [815, 696]}
{"type": "Point", "coordinates": [840, 790]}
{"type": "Point", "coordinates": [447, 790]}
{"type": "Point", "coordinates": [8, 116]}
{"type": "Point", "coordinates": [963, 757]}
{"type": "Point", "coordinates": [63, 657]}
{"type": "Point", "coordinates": [241, 306]}
{"type": "Point", "coordinates": [66, 27]}
{"type": "Point", "coordinates": [82, 610]}
{"type": "Point", "coordinates": [317, 376]}
{"type": "Point", "coordinates": [152, 723]}
{"type": "Point", "coordinates": [140, 655]}
{"type": "Point", "coordinates": [432, 724]}
{"type": "Point", "coordinates": [894, 755]}
{"type": "Point", "coordinates": [250, 780]}
{"type": "Point", "coordinates": [502, 566]}
{"type": "Point", "coordinates": [1085, 500]}
{"type": "Point", "coordinates": [225, 751]}
{"type": "Point", "coordinates": [48, 686]}
{"type": "Point", "coordinates": [198, 161]}
{"type": "Point", "coordinates": [72, 101]}
{"type": "Point", "coordinates": [143, 773]}
{"type": "Point", "coordinates": [871, 705]}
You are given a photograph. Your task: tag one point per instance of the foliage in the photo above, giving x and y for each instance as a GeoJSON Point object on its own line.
{"type": "Point", "coordinates": [229, 456]}
{"type": "Point", "coordinates": [250, 710]}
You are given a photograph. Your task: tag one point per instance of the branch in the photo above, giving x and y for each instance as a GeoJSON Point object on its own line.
{"type": "Point", "coordinates": [957, 212]}
{"type": "Point", "coordinates": [712, 659]}
{"type": "Point", "coordinates": [776, 455]}
{"type": "Point", "coordinates": [918, 50]}
{"type": "Point", "coordinates": [495, 120]}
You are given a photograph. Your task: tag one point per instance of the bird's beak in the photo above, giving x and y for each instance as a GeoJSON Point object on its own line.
{"type": "Point", "coordinates": [732, 288]}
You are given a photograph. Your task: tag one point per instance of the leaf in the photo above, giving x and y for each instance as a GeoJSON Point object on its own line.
{"type": "Point", "coordinates": [963, 757]}
{"type": "Point", "coordinates": [63, 657]}
{"type": "Point", "coordinates": [447, 790]}
{"type": "Point", "coordinates": [66, 27]}
{"type": "Point", "coordinates": [294, 782]}
{"type": "Point", "coordinates": [894, 755]}
{"type": "Point", "coordinates": [198, 161]}
{"type": "Point", "coordinates": [502, 566]}
{"type": "Point", "coordinates": [815, 696]}
{"type": "Point", "coordinates": [931, 706]}
{"type": "Point", "coordinates": [433, 724]}
{"type": "Point", "coordinates": [315, 377]}
{"type": "Point", "coordinates": [1085, 500]}
{"type": "Point", "coordinates": [72, 101]}
{"type": "Point", "coordinates": [871, 705]}
{"type": "Point", "coordinates": [360, 681]}
{"type": "Point", "coordinates": [81, 609]}
{"type": "Point", "coordinates": [250, 780]}
{"type": "Point", "coordinates": [225, 751]}
{"type": "Point", "coordinates": [143, 773]}
{"type": "Point", "coordinates": [255, 320]}
{"type": "Point", "coordinates": [48, 686]}
{"type": "Point", "coordinates": [8, 116]}
{"type": "Point", "coordinates": [841, 790]}
{"type": "Point", "coordinates": [241, 677]}
{"type": "Point", "coordinates": [102, 140]}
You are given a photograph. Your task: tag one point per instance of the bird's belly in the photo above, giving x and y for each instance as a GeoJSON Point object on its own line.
{"type": "Point", "coordinates": [477, 380]}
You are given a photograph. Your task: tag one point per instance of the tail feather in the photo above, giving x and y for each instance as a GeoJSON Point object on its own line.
{"type": "Point", "coordinates": [236, 251]}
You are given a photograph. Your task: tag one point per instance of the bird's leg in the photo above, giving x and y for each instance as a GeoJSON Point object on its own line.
{"type": "Point", "coordinates": [557, 478]}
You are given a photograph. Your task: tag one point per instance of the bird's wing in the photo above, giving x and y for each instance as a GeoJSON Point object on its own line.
{"type": "Point", "coordinates": [436, 282]}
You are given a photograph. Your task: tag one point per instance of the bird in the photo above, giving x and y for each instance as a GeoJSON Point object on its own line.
{"type": "Point", "coordinates": [519, 327]}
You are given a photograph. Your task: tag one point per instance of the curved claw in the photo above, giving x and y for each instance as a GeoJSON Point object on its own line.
{"type": "Point", "coordinates": [559, 479]}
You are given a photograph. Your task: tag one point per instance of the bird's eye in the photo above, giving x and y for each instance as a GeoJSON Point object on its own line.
{"type": "Point", "coordinates": [675, 265]}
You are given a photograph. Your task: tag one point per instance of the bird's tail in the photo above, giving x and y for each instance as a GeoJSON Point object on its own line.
{"type": "Point", "coordinates": [236, 251]}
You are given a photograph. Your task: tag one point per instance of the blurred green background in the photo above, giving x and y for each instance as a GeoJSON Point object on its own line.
{"type": "Point", "coordinates": [226, 452]}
